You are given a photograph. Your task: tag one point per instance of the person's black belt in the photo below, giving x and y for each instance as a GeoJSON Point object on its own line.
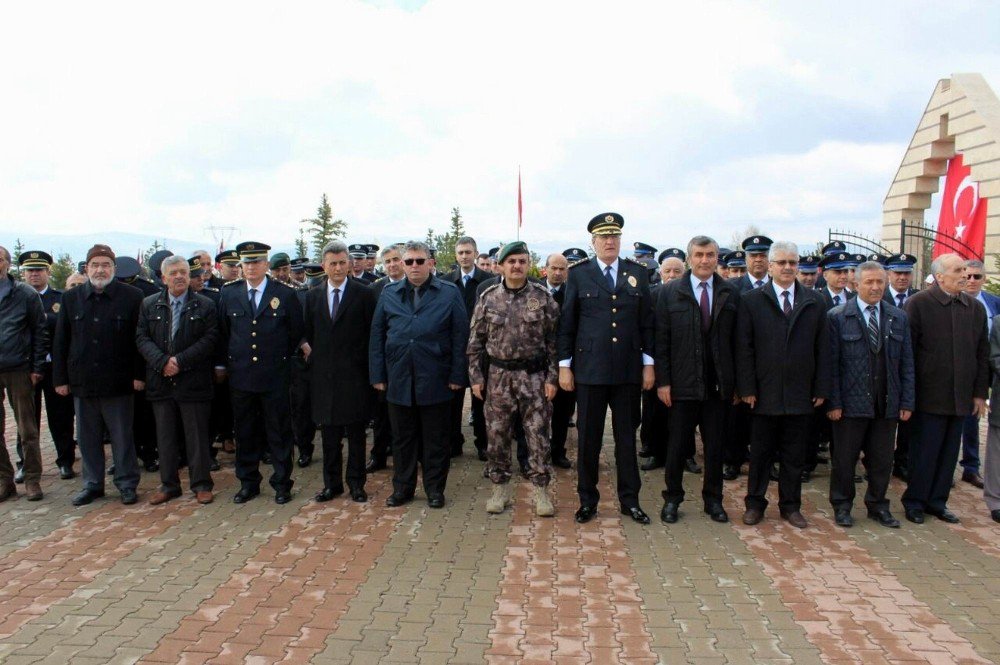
{"type": "Point", "coordinates": [530, 365]}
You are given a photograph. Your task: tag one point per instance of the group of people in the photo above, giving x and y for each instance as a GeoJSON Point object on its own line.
{"type": "Point", "coordinates": [775, 358]}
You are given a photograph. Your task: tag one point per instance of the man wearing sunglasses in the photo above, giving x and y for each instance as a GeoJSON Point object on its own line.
{"type": "Point", "coordinates": [417, 356]}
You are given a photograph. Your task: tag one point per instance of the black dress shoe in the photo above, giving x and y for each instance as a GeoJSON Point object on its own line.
{"type": "Point", "coordinates": [645, 452]}
{"type": "Point", "coordinates": [66, 472]}
{"type": "Point", "coordinates": [843, 517]}
{"type": "Point", "coordinates": [668, 515]}
{"type": "Point", "coordinates": [884, 517]}
{"type": "Point", "coordinates": [19, 476]}
{"type": "Point", "coordinates": [637, 514]}
{"type": "Point", "coordinates": [395, 500]}
{"type": "Point", "coordinates": [245, 494]}
{"type": "Point", "coordinates": [129, 497]}
{"type": "Point", "coordinates": [359, 496]}
{"type": "Point", "coordinates": [87, 496]}
{"type": "Point", "coordinates": [914, 515]}
{"type": "Point", "coordinates": [730, 472]}
{"type": "Point", "coordinates": [562, 463]}
{"type": "Point", "coordinates": [374, 464]}
{"type": "Point", "coordinates": [481, 454]}
{"type": "Point", "coordinates": [806, 476]}
{"type": "Point", "coordinates": [326, 494]}
{"type": "Point", "coordinates": [305, 459]}
{"type": "Point", "coordinates": [435, 501]}
{"type": "Point", "coordinates": [265, 458]}
{"type": "Point", "coordinates": [652, 463]}
{"type": "Point", "coordinates": [858, 479]}
{"type": "Point", "coordinates": [774, 474]}
{"type": "Point", "coordinates": [945, 516]}
{"type": "Point", "coordinates": [456, 452]}
{"type": "Point", "coordinates": [691, 466]}
{"type": "Point", "coordinates": [585, 513]}
{"type": "Point", "coordinates": [717, 513]}
{"type": "Point", "coordinates": [153, 466]}
{"type": "Point", "coordinates": [901, 472]}
{"type": "Point", "coordinates": [995, 514]}
{"type": "Point", "coordinates": [111, 469]}
{"type": "Point", "coordinates": [281, 497]}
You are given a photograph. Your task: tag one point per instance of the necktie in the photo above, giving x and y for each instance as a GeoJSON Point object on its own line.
{"type": "Point", "coordinates": [900, 297]}
{"type": "Point", "coordinates": [787, 306]}
{"type": "Point", "coordinates": [553, 290]}
{"type": "Point", "coordinates": [706, 311]}
{"type": "Point", "coordinates": [873, 336]}
{"type": "Point", "coordinates": [836, 300]}
{"type": "Point", "coordinates": [334, 304]}
{"type": "Point", "coordinates": [253, 300]}
{"type": "Point", "coordinates": [759, 283]}
{"type": "Point", "coordinates": [175, 319]}
{"type": "Point", "coordinates": [611, 280]}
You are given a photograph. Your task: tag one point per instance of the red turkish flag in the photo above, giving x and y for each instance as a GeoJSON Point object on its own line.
{"type": "Point", "coordinates": [963, 213]}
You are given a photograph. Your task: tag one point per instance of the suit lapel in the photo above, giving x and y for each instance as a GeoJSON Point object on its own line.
{"type": "Point", "coordinates": [597, 275]}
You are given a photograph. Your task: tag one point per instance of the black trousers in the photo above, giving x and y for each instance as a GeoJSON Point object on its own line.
{"type": "Point", "coordinates": [562, 411]}
{"type": "Point", "coordinates": [59, 414]}
{"type": "Point", "coordinates": [381, 429]}
{"type": "Point", "coordinates": [901, 456]}
{"type": "Point", "coordinates": [934, 450]}
{"type": "Point", "coordinates": [851, 437]}
{"type": "Point", "coordinates": [738, 435]}
{"type": "Point", "coordinates": [455, 436]}
{"type": "Point", "coordinates": [145, 429]}
{"type": "Point", "coordinates": [263, 423]}
{"type": "Point", "coordinates": [819, 431]}
{"type": "Point", "coordinates": [303, 429]}
{"type": "Point", "coordinates": [479, 423]}
{"type": "Point", "coordinates": [222, 412]}
{"type": "Point", "coordinates": [592, 402]}
{"type": "Point", "coordinates": [187, 424]}
{"type": "Point", "coordinates": [654, 431]}
{"type": "Point", "coordinates": [333, 455]}
{"type": "Point", "coordinates": [420, 434]}
{"type": "Point", "coordinates": [710, 416]}
{"type": "Point", "coordinates": [779, 439]}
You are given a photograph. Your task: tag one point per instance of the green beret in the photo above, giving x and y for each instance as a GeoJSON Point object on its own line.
{"type": "Point", "coordinates": [511, 248]}
{"type": "Point", "coordinates": [279, 260]}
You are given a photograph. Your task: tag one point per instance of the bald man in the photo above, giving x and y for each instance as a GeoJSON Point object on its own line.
{"type": "Point", "coordinates": [556, 272]}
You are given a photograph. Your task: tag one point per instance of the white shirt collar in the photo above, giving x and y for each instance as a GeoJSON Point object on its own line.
{"type": "Point", "coordinates": [260, 288]}
{"type": "Point", "coordinates": [467, 274]}
{"type": "Point", "coordinates": [753, 280]}
{"type": "Point", "coordinates": [778, 290]}
{"type": "Point", "coordinates": [551, 286]}
{"type": "Point", "coordinates": [330, 287]}
{"type": "Point", "coordinates": [696, 282]}
{"type": "Point", "coordinates": [613, 265]}
{"type": "Point", "coordinates": [863, 306]}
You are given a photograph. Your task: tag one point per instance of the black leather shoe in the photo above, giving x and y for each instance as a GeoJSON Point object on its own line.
{"type": "Point", "coordinates": [858, 479]}
{"type": "Point", "coordinates": [214, 465]}
{"type": "Point", "coordinates": [652, 463]}
{"type": "Point", "coordinates": [265, 458]}
{"type": "Point", "coordinates": [374, 464]}
{"type": "Point", "coordinates": [152, 466]}
{"type": "Point", "coordinates": [884, 517]}
{"type": "Point", "coordinates": [901, 472]}
{"type": "Point", "coordinates": [305, 460]}
{"type": "Point", "coordinates": [456, 452]}
{"type": "Point", "coordinates": [645, 452]}
{"type": "Point", "coordinates": [668, 515]}
{"type": "Point", "coordinates": [326, 494]}
{"type": "Point", "coordinates": [806, 476]}
{"type": "Point", "coordinates": [730, 472]}
{"type": "Point", "coordinates": [717, 513]}
{"type": "Point", "coordinates": [245, 494]}
{"type": "Point", "coordinates": [435, 501]}
{"type": "Point", "coordinates": [481, 454]}
{"type": "Point", "coordinates": [691, 466]}
{"type": "Point", "coordinates": [66, 472]}
{"type": "Point", "coordinates": [774, 474]}
{"type": "Point", "coordinates": [281, 497]}
{"type": "Point", "coordinates": [585, 513]}
{"type": "Point", "coordinates": [359, 496]}
{"type": "Point", "coordinates": [637, 514]}
{"type": "Point", "coordinates": [129, 497]}
{"type": "Point", "coordinates": [562, 463]}
{"type": "Point", "coordinates": [945, 516]}
{"type": "Point", "coordinates": [395, 500]}
{"type": "Point", "coordinates": [915, 516]}
{"type": "Point", "coordinates": [111, 469]}
{"type": "Point", "coordinates": [87, 496]}
{"type": "Point", "coordinates": [843, 517]}
{"type": "Point", "coordinates": [19, 476]}
{"type": "Point", "coordinates": [995, 514]}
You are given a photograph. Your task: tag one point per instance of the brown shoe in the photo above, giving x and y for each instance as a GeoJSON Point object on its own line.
{"type": "Point", "coordinates": [753, 516]}
{"type": "Point", "coordinates": [7, 491]}
{"type": "Point", "coordinates": [33, 491]}
{"type": "Point", "coordinates": [204, 496]}
{"type": "Point", "coordinates": [796, 519]}
{"type": "Point", "coordinates": [161, 497]}
{"type": "Point", "coordinates": [973, 478]}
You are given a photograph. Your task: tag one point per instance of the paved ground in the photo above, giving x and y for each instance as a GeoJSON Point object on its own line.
{"type": "Point", "coordinates": [341, 582]}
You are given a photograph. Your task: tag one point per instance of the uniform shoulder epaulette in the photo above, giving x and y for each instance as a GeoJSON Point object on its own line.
{"type": "Point", "coordinates": [638, 263]}
{"type": "Point", "coordinates": [210, 288]}
{"type": "Point", "coordinates": [579, 263]}
{"type": "Point", "coordinates": [145, 279]}
{"type": "Point", "coordinates": [233, 281]}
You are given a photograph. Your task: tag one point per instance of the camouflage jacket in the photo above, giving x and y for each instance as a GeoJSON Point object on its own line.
{"type": "Point", "coordinates": [514, 325]}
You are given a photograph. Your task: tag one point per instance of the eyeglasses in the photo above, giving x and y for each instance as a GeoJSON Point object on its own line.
{"type": "Point", "coordinates": [786, 262]}
{"type": "Point", "coordinates": [975, 276]}
{"type": "Point", "coordinates": [410, 262]}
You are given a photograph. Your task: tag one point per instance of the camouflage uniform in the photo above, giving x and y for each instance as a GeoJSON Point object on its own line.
{"type": "Point", "coordinates": [516, 331]}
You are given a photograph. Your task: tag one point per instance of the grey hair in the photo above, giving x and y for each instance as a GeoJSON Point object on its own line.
{"type": "Point", "coordinates": [416, 246]}
{"type": "Point", "coordinates": [701, 241]}
{"type": "Point", "coordinates": [937, 265]}
{"type": "Point", "coordinates": [467, 240]}
{"type": "Point", "coordinates": [868, 265]}
{"type": "Point", "coordinates": [172, 261]}
{"type": "Point", "coordinates": [782, 246]}
{"type": "Point", "coordinates": [334, 247]}
{"type": "Point", "coordinates": [388, 248]}
{"type": "Point", "coordinates": [975, 263]}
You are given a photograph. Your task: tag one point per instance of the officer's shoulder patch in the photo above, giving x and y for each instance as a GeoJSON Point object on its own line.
{"type": "Point", "coordinates": [579, 263]}
{"type": "Point", "coordinates": [210, 288]}
{"type": "Point", "coordinates": [284, 284]}
{"type": "Point", "coordinates": [233, 281]}
{"type": "Point", "coordinates": [145, 279]}
{"type": "Point", "coordinates": [631, 260]}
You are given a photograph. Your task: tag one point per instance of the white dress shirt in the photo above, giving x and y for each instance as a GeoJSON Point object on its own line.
{"type": "Point", "coordinates": [778, 290]}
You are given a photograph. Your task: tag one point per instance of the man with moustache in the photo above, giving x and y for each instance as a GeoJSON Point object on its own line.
{"type": "Point", "coordinates": [209, 278]}
{"type": "Point", "coordinates": [755, 249]}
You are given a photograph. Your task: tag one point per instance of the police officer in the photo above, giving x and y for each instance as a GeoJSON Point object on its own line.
{"type": "Point", "coordinates": [229, 265]}
{"type": "Point", "coordinates": [736, 264]}
{"type": "Point", "coordinates": [514, 327]}
{"type": "Point", "coordinates": [644, 254]}
{"type": "Point", "coordinates": [280, 267]}
{"type": "Point", "coordinates": [370, 256]}
{"type": "Point", "coordinates": [832, 247]}
{"type": "Point", "coordinates": [605, 353]}
{"type": "Point", "coordinates": [261, 321]}
{"type": "Point", "coordinates": [300, 395]}
{"type": "Point", "coordinates": [756, 248]}
{"type": "Point", "coordinates": [898, 291]}
{"type": "Point", "coordinates": [220, 396]}
{"type": "Point", "coordinates": [358, 254]}
{"type": "Point", "coordinates": [35, 267]}
{"type": "Point", "coordinates": [808, 271]}
{"type": "Point", "coordinates": [298, 270]}
{"type": "Point", "coordinates": [154, 262]}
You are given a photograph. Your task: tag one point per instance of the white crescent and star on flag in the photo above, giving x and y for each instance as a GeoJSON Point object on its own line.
{"type": "Point", "coordinates": [961, 223]}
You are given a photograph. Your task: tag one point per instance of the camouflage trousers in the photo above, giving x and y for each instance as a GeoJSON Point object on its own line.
{"type": "Point", "coordinates": [510, 394]}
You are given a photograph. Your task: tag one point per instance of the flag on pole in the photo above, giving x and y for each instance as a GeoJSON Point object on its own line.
{"type": "Point", "coordinates": [520, 206]}
{"type": "Point", "coordinates": [963, 213]}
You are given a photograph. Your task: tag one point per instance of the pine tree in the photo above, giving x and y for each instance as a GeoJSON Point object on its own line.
{"type": "Point", "coordinates": [301, 246]}
{"type": "Point", "coordinates": [61, 270]}
{"type": "Point", "coordinates": [15, 257]}
{"type": "Point", "coordinates": [445, 244]}
{"type": "Point", "coordinates": [323, 227]}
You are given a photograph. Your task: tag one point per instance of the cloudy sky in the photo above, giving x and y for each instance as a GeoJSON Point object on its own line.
{"type": "Point", "coordinates": [170, 118]}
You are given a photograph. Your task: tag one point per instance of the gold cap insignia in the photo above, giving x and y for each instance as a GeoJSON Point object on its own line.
{"type": "Point", "coordinates": [33, 255]}
{"type": "Point", "coordinates": [250, 246]}
{"type": "Point", "coordinates": [609, 218]}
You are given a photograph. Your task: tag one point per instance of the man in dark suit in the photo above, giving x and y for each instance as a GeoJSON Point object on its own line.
{"type": "Point", "coordinates": [783, 374]}
{"type": "Point", "coordinates": [359, 255]}
{"type": "Point", "coordinates": [556, 273]}
{"type": "Point", "coordinates": [417, 356]}
{"type": "Point", "coordinates": [392, 265]}
{"type": "Point", "coordinates": [695, 371]}
{"type": "Point", "coordinates": [836, 271]}
{"type": "Point", "coordinates": [467, 277]}
{"type": "Point", "coordinates": [605, 353]}
{"type": "Point", "coordinates": [338, 320]}
{"type": "Point", "coordinates": [261, 323]}
{"type": "Point", "coordinates": [900, 272]}
{"type": "Point", "coordinates": [755, 249]}
{"type": "Point", "coordinates": [975, 275]}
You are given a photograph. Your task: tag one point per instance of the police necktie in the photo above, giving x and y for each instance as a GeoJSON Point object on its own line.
{"type": "Point", "coordinates": [900, 297]}
{"type": "Point", "coordinates": [873, 336]}
{"type": "Point", "coordinates": [334, 304]}
{"type": "Point", "coordinates": [253, 300]}
{"type": "Point", "coordinates": [759, 283]}
{"type": "Point", "coordinates": [611, 280]}
{"type": "Point", "coordinates": [175, 319]}
{"type": "Point", "coordinates": [706, 311]}
{"type": "Point", "coordinates": [836, 300]}
{"type": "Point", "coordinates": [787, 307]}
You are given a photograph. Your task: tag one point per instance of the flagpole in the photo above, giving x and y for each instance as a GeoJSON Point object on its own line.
{"type": "Point", "coordinates": [519, 204]}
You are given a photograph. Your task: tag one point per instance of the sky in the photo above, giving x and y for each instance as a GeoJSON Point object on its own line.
{"type": "Point", "coordinates": [169, 119]}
